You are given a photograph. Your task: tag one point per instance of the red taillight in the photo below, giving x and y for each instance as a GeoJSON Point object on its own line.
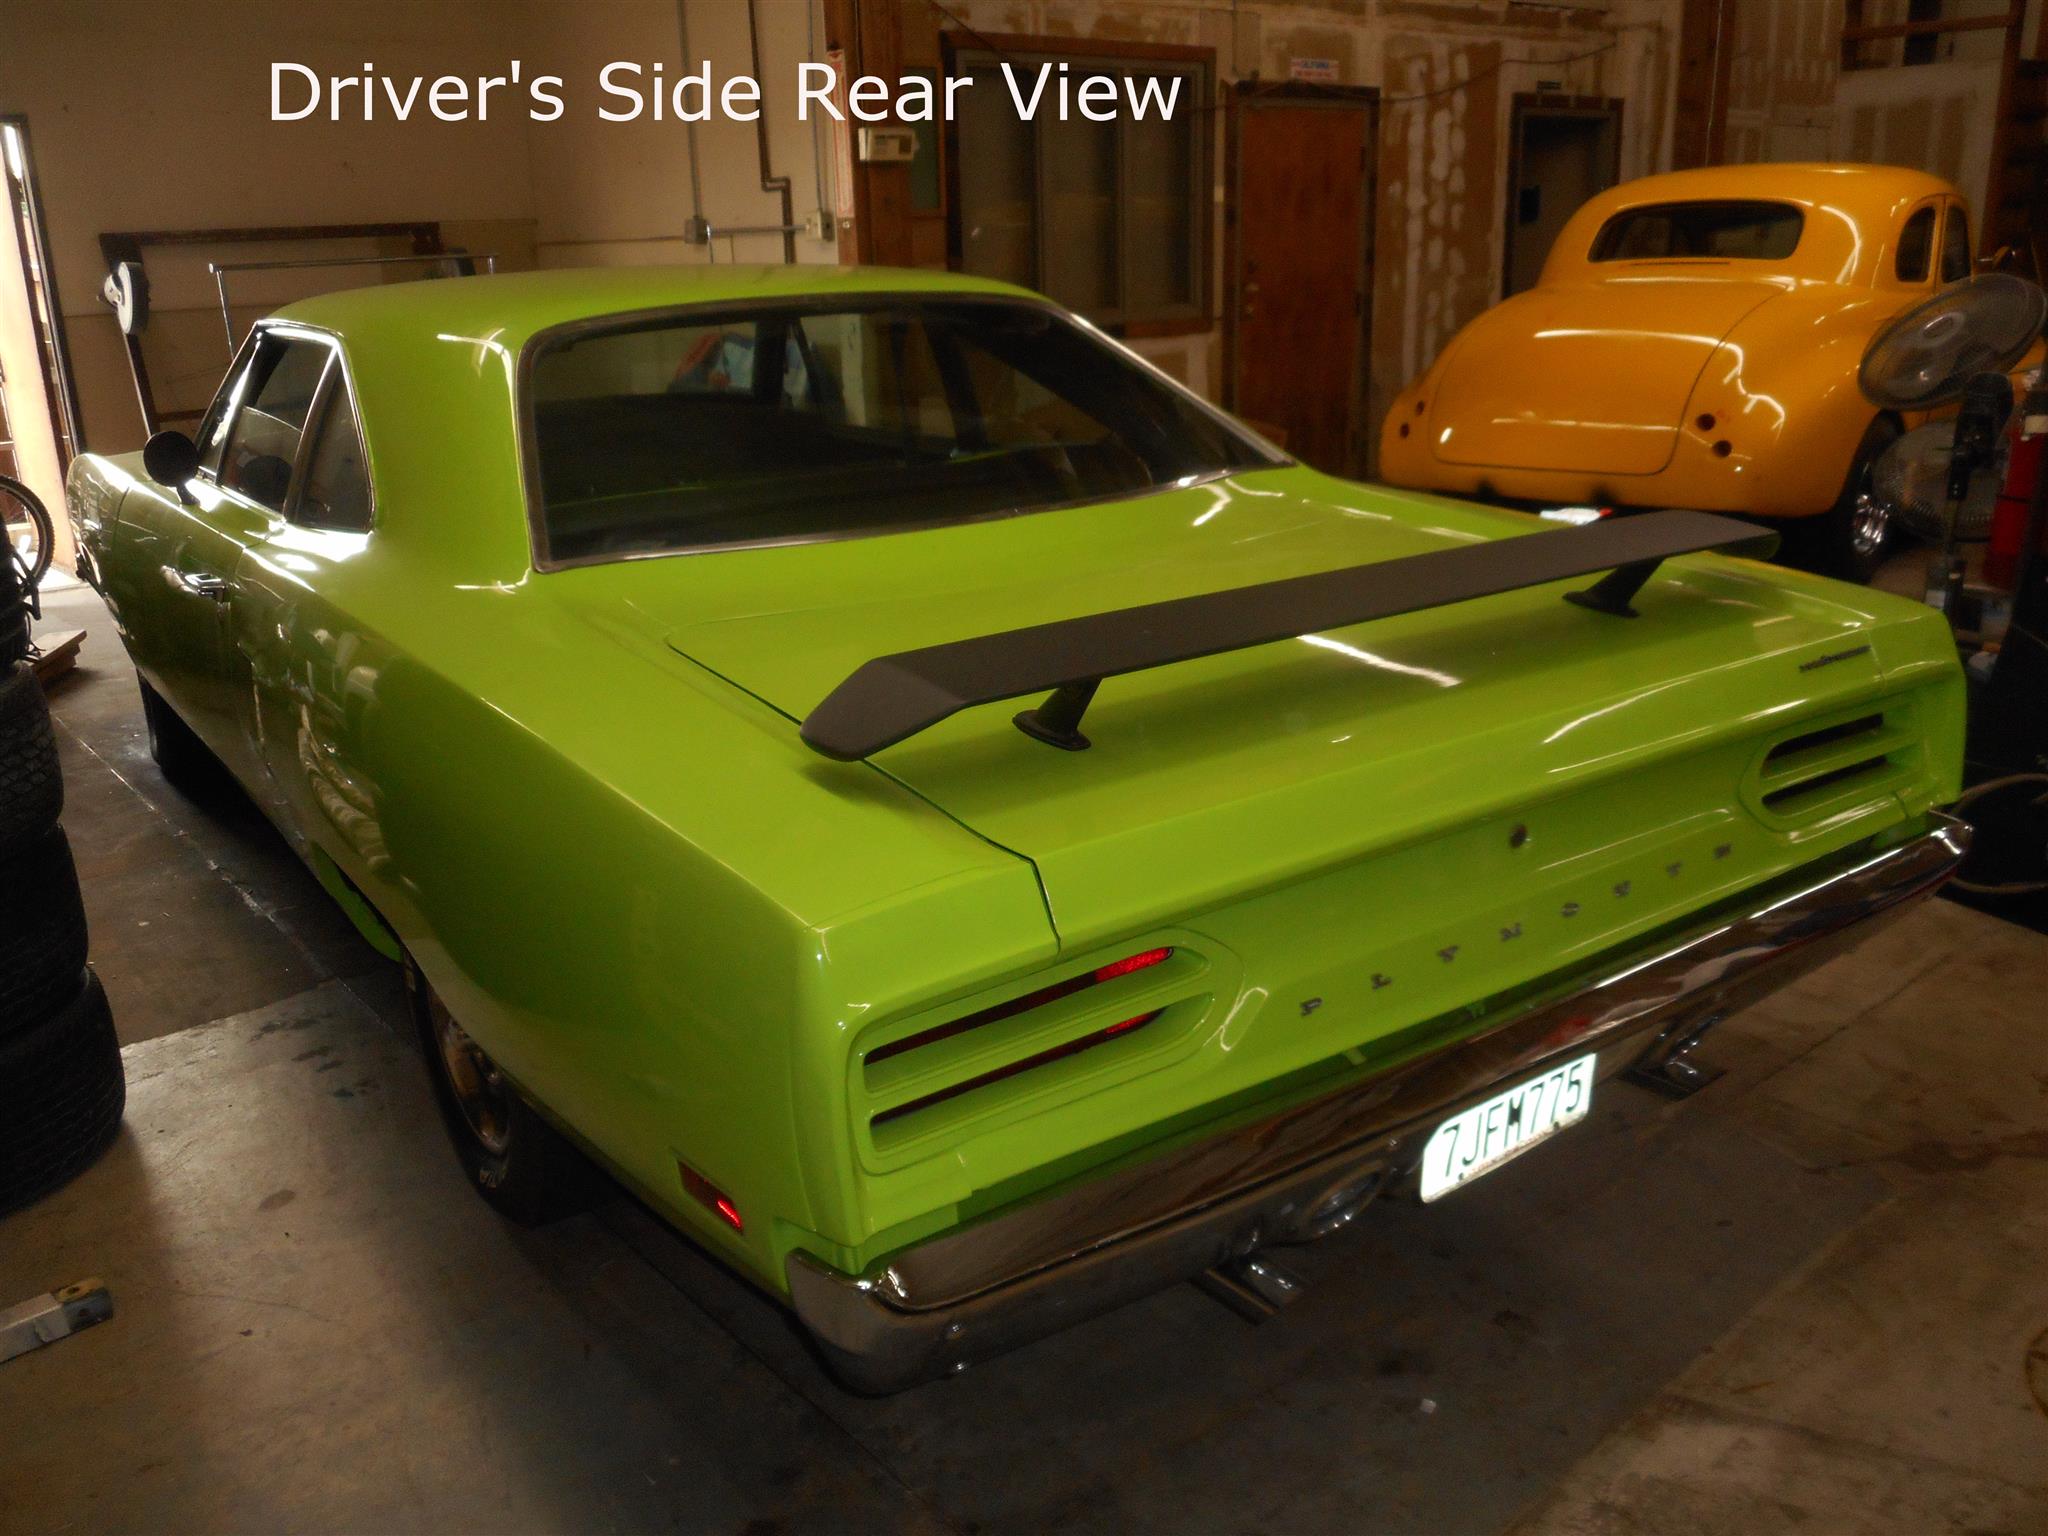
{"type": "Point", "coordinates": [709, 1194]}
{"type": "Point", "coordinates": [1143, 960]}
{"type": "Point", "coordinates": [1042, 1059]}
{"type": "Point", "coordinates": [1130, 963]}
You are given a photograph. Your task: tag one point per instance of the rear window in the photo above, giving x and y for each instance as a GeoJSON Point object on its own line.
{"type": "Point", "coordinates": [791, 423]}
{"type": "Point", "coordinates": [1720, 230]}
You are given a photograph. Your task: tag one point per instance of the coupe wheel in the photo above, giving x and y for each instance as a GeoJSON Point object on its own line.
{"type": "Point", "coordinates": [513, 1157]}
{"type": "Point", "coordinates": [1856, 535]}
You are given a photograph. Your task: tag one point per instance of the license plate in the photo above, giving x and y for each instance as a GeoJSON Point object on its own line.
{"type": "Point", "coordinates": [1480, 1139]}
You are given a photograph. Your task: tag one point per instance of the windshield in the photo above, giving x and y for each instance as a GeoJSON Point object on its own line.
{"type": "Point", "coordinates": [776, 424]}
{"type": "Point", "coordinates": [1743, 231]}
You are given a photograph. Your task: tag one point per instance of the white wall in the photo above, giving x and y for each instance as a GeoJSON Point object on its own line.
{"type": "Point", "coordinates": [609, 193]}
{"type": "Point", "coordinates": [152, 117]}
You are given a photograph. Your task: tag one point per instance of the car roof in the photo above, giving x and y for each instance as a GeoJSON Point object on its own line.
{"type": "Point", "coordinates": [514, 306]}
{"type": "Point", "coordinates": [1853, 214]}
{"type": "Point", "coordinates": [1862, 189]}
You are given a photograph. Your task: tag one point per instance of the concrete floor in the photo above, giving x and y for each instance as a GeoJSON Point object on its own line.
{"type": "Point", "coordinates": [1812, 1297]}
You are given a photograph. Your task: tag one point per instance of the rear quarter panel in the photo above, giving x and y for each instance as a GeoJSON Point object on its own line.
{"type": "Point", "coordinates": [620, 883]}
{"type": "Point", "coordinates": [1781, 392]}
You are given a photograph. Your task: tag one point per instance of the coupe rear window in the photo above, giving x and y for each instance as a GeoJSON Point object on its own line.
{"type": "Point", "coordinates": [781, 424]}
{"type": "Point", "coordinates": [1722, 230]}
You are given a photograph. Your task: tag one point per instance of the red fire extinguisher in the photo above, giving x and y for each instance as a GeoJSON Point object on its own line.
{"type": "Point", "coordinates": [2023, 471]}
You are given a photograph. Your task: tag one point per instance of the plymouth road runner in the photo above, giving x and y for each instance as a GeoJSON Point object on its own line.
{"type": "Point", "coordinates": [1693, 342]}
{"type": "Point", "coordinates": [960, 826]}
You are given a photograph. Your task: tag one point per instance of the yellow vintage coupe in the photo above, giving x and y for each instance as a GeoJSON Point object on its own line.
{"type": "Point", "coordinates": [1693, 342]}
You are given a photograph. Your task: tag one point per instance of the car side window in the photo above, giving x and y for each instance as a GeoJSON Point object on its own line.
{"type": "Point", "coordinates": [263, 441]}
{"type": "Point", "coordinates": [336, 490]}
{"type": "Point", "coordinates": [1916, 248]}
{"type": "Point", "coordinates": [1955, 247]}
{"type": "Point", "coordinates": [213, 429]}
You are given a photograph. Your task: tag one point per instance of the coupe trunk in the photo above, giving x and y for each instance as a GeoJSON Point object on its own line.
{"type": "Point", "coordinates": [1591, 378]}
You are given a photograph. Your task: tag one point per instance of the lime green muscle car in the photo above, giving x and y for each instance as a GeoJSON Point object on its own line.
{"type": "Point", "coordinates": [962, 828]}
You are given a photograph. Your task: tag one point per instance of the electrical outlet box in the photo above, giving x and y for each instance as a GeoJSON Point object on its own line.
{"type": "Point", "coordinates": [887, 146]}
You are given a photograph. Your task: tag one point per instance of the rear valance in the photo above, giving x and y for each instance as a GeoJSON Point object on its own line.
{"type": "Point", "coordinates": [894, 697]}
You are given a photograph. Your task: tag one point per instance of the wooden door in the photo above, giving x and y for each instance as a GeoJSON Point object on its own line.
{"type": "Point", "coordinates": [1563, 151]}
{"type": "Point", "coordinates": [1301, 274]}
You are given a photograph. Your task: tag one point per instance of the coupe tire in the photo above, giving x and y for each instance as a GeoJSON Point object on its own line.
{"type": "Point", "coordinates": [42, 932]}
{"type": "Point", "coordinates": [517, 1161]}
{"type": "Point", "coordinates": [31, 784]}
{"type": "Point", "coordinates": [1857, 534]}
{"type": "Point", "coordinates": [187, 763]}
{"type": "Point", "coordinates": [62, 1091]}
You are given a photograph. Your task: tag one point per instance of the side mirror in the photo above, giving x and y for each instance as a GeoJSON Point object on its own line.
{"type": "Point", "coordinates": [170, 459]}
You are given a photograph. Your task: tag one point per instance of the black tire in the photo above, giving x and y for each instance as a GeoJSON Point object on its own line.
{"type": "Point", "coordinates": [61, 1096]}
{"type": "Point", "coordinates": [42, 931]}
{"type": "Point", "coordinates": [31, 783]}
{"type": "Point", "coordinates": [14, 611]}
{"type": "Point", "coordinates": [517, 1161]}
{"type": "Point", "coordinates": [1853, 537]}
{"type": "Point", "coordinates": [186, 762]}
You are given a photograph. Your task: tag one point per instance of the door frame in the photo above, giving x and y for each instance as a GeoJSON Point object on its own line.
{"type": "Point", "coordinates": [1525, 105]}
{"type": "Point", "coordinates": [1250, 96]}
{"type": "Point", "coordinates": [54, 351]}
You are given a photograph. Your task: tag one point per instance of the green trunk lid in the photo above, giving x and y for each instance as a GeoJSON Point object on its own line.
{"type": "Point", "coordinates": [1213, 779]}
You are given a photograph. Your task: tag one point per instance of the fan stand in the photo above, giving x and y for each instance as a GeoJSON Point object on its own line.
{"type": "Point", "coordinates": [1973, 476]}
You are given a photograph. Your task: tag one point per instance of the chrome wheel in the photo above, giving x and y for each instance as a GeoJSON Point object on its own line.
{"type": "Point", "coordinates": [479, 1087]}
{"type": "Point", "coordinates": [1870, 524]}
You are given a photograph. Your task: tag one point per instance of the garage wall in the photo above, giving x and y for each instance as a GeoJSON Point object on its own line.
{"type": "Point", "coordinates": [619, 193]}
{"type": "Point", "coordinates": [1447, 70]}
{"type": "Point", "coordinates": [1789, 99]}
{"type": "Point", "coordinates": [145, 116]}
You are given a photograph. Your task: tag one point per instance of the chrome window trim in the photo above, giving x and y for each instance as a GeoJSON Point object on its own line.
{"type": "Point", "coordinates": [626, 320]}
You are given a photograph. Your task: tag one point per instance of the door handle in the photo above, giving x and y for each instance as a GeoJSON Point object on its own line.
{"type": "Point", "coordinates": [199, 584]}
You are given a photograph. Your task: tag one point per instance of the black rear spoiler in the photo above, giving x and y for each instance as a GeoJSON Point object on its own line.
{"type": "Point", "coordinates": [894, 697]}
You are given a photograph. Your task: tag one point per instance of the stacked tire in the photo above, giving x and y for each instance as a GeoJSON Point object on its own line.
{"type": "Point", "coordinates": [61, 1084]}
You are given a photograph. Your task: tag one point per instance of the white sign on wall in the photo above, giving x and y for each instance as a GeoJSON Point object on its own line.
{"type": "Point", "coordinates": [1322, 71]}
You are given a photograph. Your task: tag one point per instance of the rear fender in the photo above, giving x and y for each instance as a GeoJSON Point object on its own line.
{"type": "Point", "coordinates": [1780, 392]}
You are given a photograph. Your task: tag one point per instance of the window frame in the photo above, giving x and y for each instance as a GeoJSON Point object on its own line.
{"type": "Point", "coordinates": [1954, 216]}
{"type": "Point", "coordinates": [540, 341]}
{"type": "Point", "coordinates": [1931, 212]}
{"type": "Point", "coordinates": [1593, 258]}
{"type": "Point", "coordinates": [335, 374]}
{"type": "Point", "coordinates": [962, 52]}
{"type": "Point", "coordinates": [229, 397]}
{"type": "Point", "coordinates": [227, 401]}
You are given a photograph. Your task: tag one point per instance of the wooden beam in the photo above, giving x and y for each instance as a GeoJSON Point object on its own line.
{"type": "Point", "coordinates": [1699, 134]}
{"type": "Point", "coordinates": [1872, 34]}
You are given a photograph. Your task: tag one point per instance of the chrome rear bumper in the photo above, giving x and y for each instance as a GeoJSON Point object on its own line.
{"type": "Point", "coordinates": [1049, 1262]}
